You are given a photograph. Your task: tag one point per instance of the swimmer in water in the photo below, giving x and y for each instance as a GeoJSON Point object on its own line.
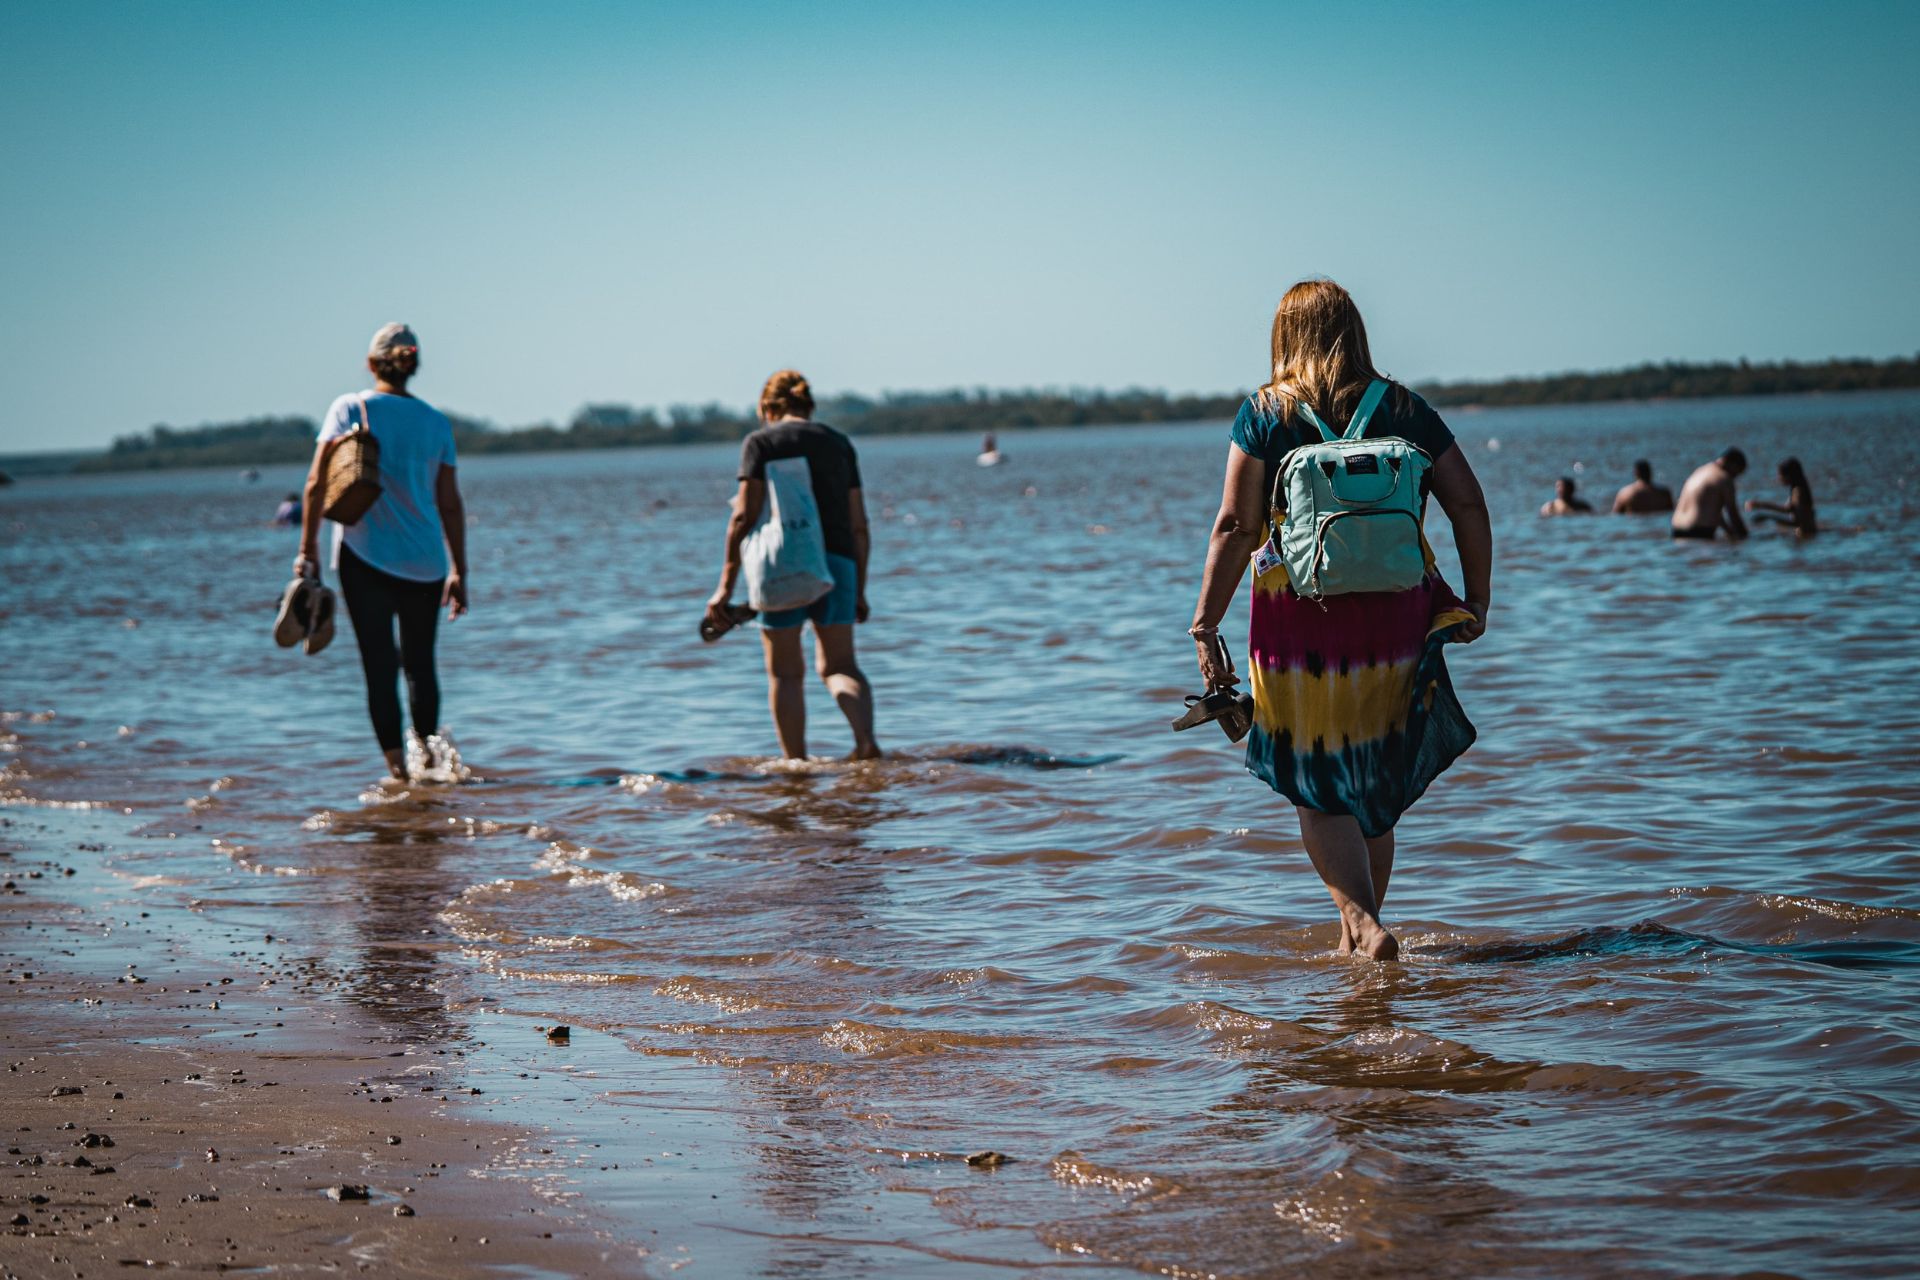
{"type": "Point", "coordinates": [1708, 501]}
{"type": "Point", "coordinates": [288, 512]}
{"type": "Point", "coordinates": [1797, 513]}
{"type": "Point", "coordinates": [1565, 501]}
{"type": "Point", "coordinates": [1643, 496]}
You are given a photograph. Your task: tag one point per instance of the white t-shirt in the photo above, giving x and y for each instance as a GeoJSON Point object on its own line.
{"type": "Point", "coordinates": [400, 534]}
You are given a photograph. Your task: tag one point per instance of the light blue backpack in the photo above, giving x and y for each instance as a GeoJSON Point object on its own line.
{"type": "Point", "coordinates": [1346, 511]}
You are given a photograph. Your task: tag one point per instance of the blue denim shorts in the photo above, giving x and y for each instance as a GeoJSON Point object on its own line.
{"type": "Point", "coordinates": [836, 608]}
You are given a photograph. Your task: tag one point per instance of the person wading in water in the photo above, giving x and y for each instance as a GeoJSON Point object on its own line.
{"type": "Point", "coordinates": [1709, 500]}
{"type": "Point", "coordinates": [1353, 711]}
{"type": "Point", "coordinates": [788, 431]}
{"type": "Point", "coordinates": [394, 563]}
{"type": "Point", "coordinates": [1797, 512]}
{"type": "Point", "coordinates": [1642, 496]}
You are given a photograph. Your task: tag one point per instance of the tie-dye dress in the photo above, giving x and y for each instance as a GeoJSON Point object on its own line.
{"type": "Point", "coordinates": [1353, 709]}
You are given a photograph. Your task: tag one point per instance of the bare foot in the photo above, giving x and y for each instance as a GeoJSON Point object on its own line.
{"type": "Point", "coordinates": [1376, 943]}
{"type": "Point", "coordinates": [1362, 934]}
{"type": "Point", "coordinates": [865, 751]}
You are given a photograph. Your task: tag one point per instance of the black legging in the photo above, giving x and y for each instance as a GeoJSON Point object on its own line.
{"type": "Point", "coordinates": [374, 599]}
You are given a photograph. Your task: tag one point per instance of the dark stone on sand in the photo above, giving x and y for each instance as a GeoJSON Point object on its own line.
{"type": "Point", "coordinates": [403, 1211]}
{"type": "Point", "coordinates": [19, 1220]}
{"type": "Point", "coordinates": [393, 1139]}
{"type": "Point", "coordinates": [198, 1198]}
{"type": "Point", "coordinates": [137, 1202]}
{"type": "Point", "coordinates": [105, 1168]}
{"type": "Point", "coordinates": [81, 1162]}
{"type": "Point", "coordinates": [65, 1091]}
{"type": "Point", "coordinates": [987, 1159]}
{"type": "Point", "coordinates": [94, 1140]}
{"type": "Point", "coordinates": [349, 1191]}
{"type": "Point", "coordinates": [36, 1198]}
{"type": "Point", "coordinates": [560, 1033]}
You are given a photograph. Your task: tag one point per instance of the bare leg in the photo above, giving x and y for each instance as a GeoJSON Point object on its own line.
{"type": "Point", "coordinates": [787, 689]}
{"type": "Point", "coordinates": [1342, 857]}
{"type": "Point", "coordinates": [1380, 866]}
{"type": "Point", "coordinates": [397, 762]}
{"type": "Point", "coordinates": [833, 655]}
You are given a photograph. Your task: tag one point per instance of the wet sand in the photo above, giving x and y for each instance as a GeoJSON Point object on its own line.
{"type": "Point", "coordinates": [165, 1112]}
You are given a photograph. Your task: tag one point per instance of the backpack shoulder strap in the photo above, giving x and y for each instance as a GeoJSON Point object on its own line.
{"type": "Point", "coordinates": [1306, 412]}
{"type": "Point", "coordinates": [366, 423]}
{"type": "Point", "coordinates": [1363, 412]}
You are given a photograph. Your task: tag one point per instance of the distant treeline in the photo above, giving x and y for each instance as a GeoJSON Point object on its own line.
{"type": "Point", "coordinates": [1675, 381]}
{"type": "Point", "coordinates": [266, 441]}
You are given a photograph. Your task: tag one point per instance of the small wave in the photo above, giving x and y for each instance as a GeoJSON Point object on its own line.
{"type": "Point", "coordinates": [772, 770]}
{"type": "Point", "coordinates": [869, 1041]}
{"type": "Point", "coordinates": [21, 800]}
{"type": "Point", "coordinates": [1075, 1170]}
{"type": "Point", "coordinates": [1021, 758]}
{"type": "Point", "coordinates": [721, 996]}
{"type": "Point", "coordinates": [1645, 938]}
{"type": "Point", "coordinates": [1405, 1058]}
{"type": "Point", "coordinates": [564, 855]}
{"type": "Point", "coordinates": [1650, 938]}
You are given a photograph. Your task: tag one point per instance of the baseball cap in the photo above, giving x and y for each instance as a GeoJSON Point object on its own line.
{"type": "Point", "coordinates": [393, 338]}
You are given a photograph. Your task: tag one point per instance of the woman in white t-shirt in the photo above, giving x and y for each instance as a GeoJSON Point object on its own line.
{"type": "Point", "coordinates": [408, 555]}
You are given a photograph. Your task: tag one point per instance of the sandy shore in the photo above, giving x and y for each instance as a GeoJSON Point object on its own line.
{"type": "Point", "coordinates": [162, 1111]}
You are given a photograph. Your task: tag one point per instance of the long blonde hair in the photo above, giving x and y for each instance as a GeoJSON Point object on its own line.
{"type": "Point", "coordinates": [1320, 353]}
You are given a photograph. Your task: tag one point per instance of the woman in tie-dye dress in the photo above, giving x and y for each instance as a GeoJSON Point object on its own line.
{"type": "Point", "coordinates": [1353, 711]}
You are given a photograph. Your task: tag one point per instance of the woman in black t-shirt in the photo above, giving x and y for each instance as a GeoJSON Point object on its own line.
{"type": "Point", "coordinates": [788, 433]}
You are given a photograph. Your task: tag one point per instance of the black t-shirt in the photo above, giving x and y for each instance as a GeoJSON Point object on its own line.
{"type": "Point", "coordinates": [1259, 431]}
{"type": "Point", "coordinates": [832, 465]}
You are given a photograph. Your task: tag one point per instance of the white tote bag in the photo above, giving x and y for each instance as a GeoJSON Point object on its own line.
{"type": "Point", "coordinates": [785, 559]}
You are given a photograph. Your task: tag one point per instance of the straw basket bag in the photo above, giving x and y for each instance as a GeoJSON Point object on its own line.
{"type": "Point", "coordinates": [352, 482]}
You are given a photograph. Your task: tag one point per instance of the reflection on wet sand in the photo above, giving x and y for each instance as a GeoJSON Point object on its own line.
{"type": "Point", "coordinates": [405, 872]}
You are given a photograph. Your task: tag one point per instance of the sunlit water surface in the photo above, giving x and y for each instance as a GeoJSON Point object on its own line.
{"type": "Point", "coordinates": [1655, 1011]}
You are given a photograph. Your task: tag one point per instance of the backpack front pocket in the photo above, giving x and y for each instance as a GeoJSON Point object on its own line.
{"type": "Point", "coordinates": [1364, 551]}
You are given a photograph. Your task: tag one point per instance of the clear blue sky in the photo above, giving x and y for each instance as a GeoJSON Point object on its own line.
{"type": "Point", "coordinates": [210, 207]}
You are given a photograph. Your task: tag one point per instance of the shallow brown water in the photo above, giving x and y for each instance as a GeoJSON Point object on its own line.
{"type": "Point", "coordinates": [1661, 925]}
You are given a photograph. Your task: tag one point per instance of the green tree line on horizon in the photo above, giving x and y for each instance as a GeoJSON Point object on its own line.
{"type": "Point", "coordinates": [289, 439]}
